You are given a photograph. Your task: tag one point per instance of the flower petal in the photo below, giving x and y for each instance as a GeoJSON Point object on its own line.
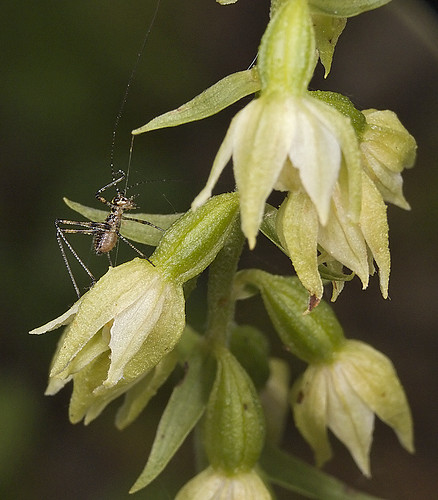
{"type": "Point", "coordinates": [297, 226]}
{"type": "Point", "coordinates": [309, 403]}
{"type": "Point", "coordinates": [64, 319]}
{"type": "Point", "coordinates": [346, 137]}
{"type": "Point", "coordinates": [220, 162]}
{"type": "Point", "coordinates": [261, 142]}
{"type": "Point", "coordinates": [374, 225]}
{"type": "Point", "coordinates": [373, 377]}
{"type": "Point", "coordinates": [348, 417]}
{"type": "Point", "coordinates": [315, 151]}
{"type": "Point", "coordinates": [344, 240]}
{"type": "Point", "coordinates": [214, 485]}
{"type": "Point", "coordinates": [132, 326]}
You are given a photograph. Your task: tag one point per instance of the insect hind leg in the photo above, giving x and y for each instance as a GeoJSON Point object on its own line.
{"type": "Point", "coordinates": [61, 238]}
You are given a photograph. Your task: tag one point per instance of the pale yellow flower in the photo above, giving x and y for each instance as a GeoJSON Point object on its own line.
{"type": "Point", "coordinates": [344, 395]}
{"type": "Point", "coordinates": [214, 485]}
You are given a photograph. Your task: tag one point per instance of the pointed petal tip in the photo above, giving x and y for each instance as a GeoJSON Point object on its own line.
{"type": "Point", "coordinates": [251, 242]}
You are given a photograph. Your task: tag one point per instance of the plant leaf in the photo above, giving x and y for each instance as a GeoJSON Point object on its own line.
{"type": "Point", "coordinates": [295, 475]}
{"type": "Point", "coordinates": [185, 407]}
{"type": "Point", "coordinates": [216, 98]}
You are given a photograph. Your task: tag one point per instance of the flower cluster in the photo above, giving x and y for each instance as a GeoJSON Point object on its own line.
{"type": "Point", "coordinates": [338, 167]}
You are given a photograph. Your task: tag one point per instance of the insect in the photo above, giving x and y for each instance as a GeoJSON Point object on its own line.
{"type": "Point", "coordinates": [106, 234]}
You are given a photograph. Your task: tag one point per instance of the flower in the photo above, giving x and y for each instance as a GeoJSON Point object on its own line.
{"type": "Point", "coordinates": [387, 148]}
{"type": "Point", "coordinates": [214, 484]}
{"type": "Point", "coordinates": [287, 130]}
{"type": "Point", "coordinates": [271, 138]}
{"type": "Point", "coordinates": [118, 331]}
{"type": "Point", "coordinates": [344, 395]}
{"type": "Point", "coordinates": [340, 241]}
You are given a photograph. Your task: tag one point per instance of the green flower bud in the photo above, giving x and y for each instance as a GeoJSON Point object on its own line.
{"type": "Point", "coordinates": [234, 428]}
{"type": "Point", "coordinates": [194, 240]}
{"type": "Point", "coordinates": [287, 51]}
{"type": "Point", "coordinates": [343, 395]}
{"type": "Point", "coordinates": [214, 484]}
{"type": "Point", "coordinates": [387, 149]}
{"type": "Point", "coordinates": [341, 8]}
{"type": "Point", "coordinates": [313, 337]}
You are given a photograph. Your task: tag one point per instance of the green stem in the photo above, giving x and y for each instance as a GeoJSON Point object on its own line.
{"type": "Point", "coordinates": [220, 301]}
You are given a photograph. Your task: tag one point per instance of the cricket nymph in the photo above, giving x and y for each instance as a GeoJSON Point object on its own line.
{"type": "Point", "coordinates": [105, 234]}
{"type": "Point", "coordinates": [105, 240]}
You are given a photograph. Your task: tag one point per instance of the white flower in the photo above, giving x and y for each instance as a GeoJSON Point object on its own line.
{"type": "Point", "coordinates": [214, 485]}
{"type": "Point", "coordinates": [118, 331]}
{"type": "Point", "coordinates": [344, 395]}
{"type": "Point", "coordinates": [277, 134]}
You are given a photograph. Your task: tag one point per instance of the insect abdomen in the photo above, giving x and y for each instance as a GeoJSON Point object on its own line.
{"type": "Point", "coordinates": [104, 242]}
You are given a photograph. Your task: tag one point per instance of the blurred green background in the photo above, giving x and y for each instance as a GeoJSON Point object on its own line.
{"type": "Point", "coordinates": [65, 67]}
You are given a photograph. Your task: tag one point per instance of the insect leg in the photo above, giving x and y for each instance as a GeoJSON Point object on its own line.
{"type": "Point", "coordinates": [60, 236]}
{"type": "Point", "coordinates": [143, 222]}
{"type": "Point", "coordinates": [142, 255]}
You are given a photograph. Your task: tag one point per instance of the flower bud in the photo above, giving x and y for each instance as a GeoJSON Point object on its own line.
{"type": "Point", "coordinates": [313, 337]}
{"type": "Point", "coordinates": [194, 240]}
{"type": "Point", "coordinates": [234, 428]}
{"type": "Point", "coordinates": [287, 51]}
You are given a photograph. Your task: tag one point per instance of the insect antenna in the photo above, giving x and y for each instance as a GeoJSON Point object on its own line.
{"type": "Point", "coordinates": [106, 234]}
{"type": "Point", "coordinates": [127, 90]}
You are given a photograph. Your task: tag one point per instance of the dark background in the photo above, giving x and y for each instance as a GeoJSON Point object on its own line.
{"type": "Point", "coordinates": [64, 70]}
